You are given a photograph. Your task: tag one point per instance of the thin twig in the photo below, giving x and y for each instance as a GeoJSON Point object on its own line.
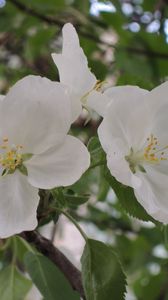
{"type": "Point", "coordinates": [44, 246]}
{"type": "Point", "coordinates": [30, 11]}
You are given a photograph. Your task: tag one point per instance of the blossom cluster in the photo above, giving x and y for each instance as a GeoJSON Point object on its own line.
{"type": "Point", "coordinates": [36, 151]}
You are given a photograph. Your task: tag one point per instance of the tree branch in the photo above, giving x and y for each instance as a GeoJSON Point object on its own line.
{"type": "Point", "coordinates": [30, 11]}
{"type": "Point", "coordinates": [44, 246]}
{"type": "Point", "coordinates": [52, 21]}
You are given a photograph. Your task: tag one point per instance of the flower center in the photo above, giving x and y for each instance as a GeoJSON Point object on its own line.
{"type": "Point", "coordinates": [151, 154]}
{"type": "Point", "coordinates": [12, 158]}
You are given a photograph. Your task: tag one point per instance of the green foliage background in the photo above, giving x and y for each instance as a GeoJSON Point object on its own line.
{"type": "Point", "coordinates": [29, 32]}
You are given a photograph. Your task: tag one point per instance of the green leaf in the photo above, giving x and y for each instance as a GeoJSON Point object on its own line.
{"type": "Point", "coordinates": [98, 156]}
{"type": "Point", "coordinates": [153, 289]}
{"type": "Point", "coordinates": [93, 144]}
{"type": "Point", "coordinates": [82, 6]}
{"type": "Point", "coordinates": [59, 198]}
{"type": "Point", "coordinates": [68, 198]}
{"type": "Point", "coordinates": [26, 156]}
{"type": "Point", "coordinates": [47, 277]}
{"type": "Point", "coordinates": [75, 200]}
{"type": "Point", "coordinates": [50, 6]}
{"type": "Point", "coordinates": [20, 247]}
{"type": "Point", "coordinates": [34, 48]}
{"type": "Point", "coordinates": [103, 186]}
{"type": "Point", "coordinates": [23, 169]}
{"type": "Point", "coordinates": [102, 275]}
{"type": "Point", "coordinates": [13, 285]}
{"type": "Point", "coordinates": [125, 195]}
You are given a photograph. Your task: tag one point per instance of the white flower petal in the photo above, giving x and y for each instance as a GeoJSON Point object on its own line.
{"type": "Point", "coordinates": [117, 163]}
{"type": "Point", "coordinates": [76, 106]}
{"type": "Point", "coordinates": [116, 91]}
{"type": "Point", "coordinates": [126, 117]}
{"type": "Point", "coordinates": [135, 123]}
{"type": "Point", "coordinates": [35, 113]}
{"type": "Point", "coordinates": [98, 102]}
{"type": "Point", "coordinates": [60, 166]}
{"type": "Point", "coordinates": [2, 97]}
{"type": "Point", "coordinates": [158, 97]}
{"type": "Point", "coordinates": [72, 63]}
{"type": "Point", "coordinates": [152, 194]}
{"type": "Point", "coordinates": [18, 205]}
{"type": "Point", "coordinates": [159, 110]}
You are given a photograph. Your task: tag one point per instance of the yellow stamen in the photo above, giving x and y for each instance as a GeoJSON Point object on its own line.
{"type": "Point", "coordinates": [154, 154]}
{"type": "Point", "coordinates": [11, 157]}
{"type": "Point", "coordinates": [149, 155]}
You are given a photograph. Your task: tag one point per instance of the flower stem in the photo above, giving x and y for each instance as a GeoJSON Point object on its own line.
{"type": "Point", "coordinates": [74, 222]}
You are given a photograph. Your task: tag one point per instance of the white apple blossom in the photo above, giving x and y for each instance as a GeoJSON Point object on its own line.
{"type": "Point", "coordinates": [1, 97]}
{"type": "Point", "coordinates": [134, 136]}
{"type": "Point", "coordinates": [73, 70]}
{"type": "Point", "coordinates": [98, 101]}
{"type": "Point", "coordinates": [35, 150]}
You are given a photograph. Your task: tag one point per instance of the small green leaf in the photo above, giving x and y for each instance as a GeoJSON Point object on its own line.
{"type": "Point", "coordinates": [4, 172]}
{"type": "Point", "coordinates": [13, 285]}
{"type": "Point", "coordinates": [125, 195]}
{"type": "Point", "coordinates": [59, 198]}
{"type": "Point", "coordinates": [49, 280]}
{"type": "Point", "coordinates": [93, 144]}
{"type": "Point", "coordinates": [102, 275]}
{"type": "Point", "coordinates": [75, 200]}
{"type": "Point", "coordinates": [23, 169]}
{"type": "Point", "coordinates": [20, 247]}
{"type": "Point", "coordinates": [97, 154]}
{"type": "Point", "coordinates": [26, 156]}
{"type": "Point", "coordinates": [68, 198]}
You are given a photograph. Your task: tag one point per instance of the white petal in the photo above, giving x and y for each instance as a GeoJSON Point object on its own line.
{"type": "Point", "coordinates": [18, 205]}
{"type": "Point", "coordinates": [152, 193]}
{"type": "Point", "coordinates": [122, 128]}
{"type": "Point", "coordinates": [60, 166]}
{"type": "Point", "coordinates": [116, 91]}
{"type": "Point", "coordinates": [2, 97]}
{"type": "Point", "coordinates": [158, 101]}
{"type": "Point", "coordinates": [119, 167]}
{"type": "Point", "coordinates": [117, 164]}
{"type": "Point", "coordinates": [36, 113]}
{"type": "Point", "coordinates": [98, 102]}
{"type": "Point", "coordinates": [76, 106]}
{"type": "Point", "coordinates": [158, 97]}
{"type": "Point", "coordinates": [127, 118]}
{"type": "Point", "coordinates": [72, 63]}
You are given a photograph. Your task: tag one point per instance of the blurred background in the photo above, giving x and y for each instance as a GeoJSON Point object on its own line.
{"type": "Point", "coordinates": [126, 42]}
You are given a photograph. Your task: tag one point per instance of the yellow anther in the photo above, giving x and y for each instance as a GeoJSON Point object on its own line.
{"type": "Point", "coordinates": [11, 157]}
{"type": "Point", "coordinates": [153, 154]}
